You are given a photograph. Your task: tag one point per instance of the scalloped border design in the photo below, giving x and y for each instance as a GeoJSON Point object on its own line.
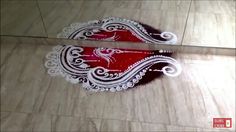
{"type": "Point", "coordinates": [136, 29]}
{"type": "Point", "coordinates": [100, 78]}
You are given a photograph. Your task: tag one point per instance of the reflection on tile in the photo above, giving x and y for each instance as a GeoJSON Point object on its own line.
{"type": "Point", "coordinates": [161, 5]}
{"type": "Point", "coordinates": [57, 15]}
{"type": "Point", "coordinates": [13, 122]}
{"type": "Point", "coordinates": [174, 23]}
{"type": "Point", "coordinates": [21, 18]}
{"type": "Point", "coordinates": [147, 127]}
{"type": "Point", "coordinates": [73, 12]}
{"type": "Point", "coordinates": [183, 129]}
{"type": "Point", "coordinates": [20, 69]}
{"type": "Point", "coordinates": [90, 105]}
{"type": "Point", "coordinates": [115, 125]}
{"type": "Point", "coordinates": [226, 7]}
{"type": "Point", "coordinates": [203, 100]}
{"type": "Point", "coordinates": [134, 104]}
{"type": "Point", "coordinates": [118, 125]}
{"type": "Point", "coordinates": [211, 24]}
{"type": "Point", "coordinates": [85, 124]}
{"type": "Point", "coordinates": [8, 49]}
{"type": "Point", "coordinates": [83, 11]}
{"type": "Point", "coordinates": [212, 30]}
{"type": "Point", "coordinates": [32, 90]}
{"type": "Point", "coordinates": [46, 123]}
{"type": "Point", "coordinates": [24, 122]}
{"type": "Point", "coordinates": [36, 122]}
{"type": "Point", "coordinates": [61, 123]}
{"type": "Point", "coordinates": [166, 5]}
{"type": "Point", "coordinates": [166, 21]}
{"type": "Point", "coordinates": [207, 59]}
{"type": "Point", "coordinates": [133, 14]}
{"type": "Point", "coordinates": [190, 100]}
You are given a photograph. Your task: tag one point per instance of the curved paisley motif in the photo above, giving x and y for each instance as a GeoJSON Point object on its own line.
{"type": "Point", "coordinates": [113, 24]}
{"type": "Point", "coordinates": [100, 77]}
{"type": "Point", "coordinates": [71, 62]}
{"type": "Point", "coordinates": [66, 61]}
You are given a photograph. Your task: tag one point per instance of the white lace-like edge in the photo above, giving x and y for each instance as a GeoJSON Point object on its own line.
{"type": "Point", "coordinates": [54, 67]}
{"type": "Point", "coordinates": [92, 84]}
{"type": "Point", "coordinates": [67, 31]}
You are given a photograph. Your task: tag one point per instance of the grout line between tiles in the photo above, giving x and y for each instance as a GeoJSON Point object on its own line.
{"type": "Point", "coordinates": [51, 115]}
{"type": "Point", "coordinates": [186, 23]}
{"type": "Point", "coordinates": [42, 18]}
{"type": "Point", "coordinates": [176, 48]}
{"type": "Point", "coordinates": [18, 36]}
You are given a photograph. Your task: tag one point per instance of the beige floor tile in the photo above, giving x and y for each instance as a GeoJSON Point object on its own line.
{"type": "Point", "coordinates": [211, 24]}
{"type": "Point", "coordinates": [12, 122]}
{"type": "Point", "coordinates": [61, 123]}
{"type": "Point", "coordinates": [119, 125]}
{"type": "Point", "coordinates": [85, 124]}
{"type": "Point", "coordinates": [166, 21]}
{"type": "Point", "coordinates": [204, 98]}
{"type": "Point", "coordinates": [23, 66]}
{"type": "Point", "coordinates": [32, 90]}
{"type": "Point", "coordinates": [89, 105]}
{"type": "Point", "coordinates": [45, 123]}
{"type": "Point", "coordinates": [115, 125]}
{"type": "Point", "coordinates": [147, 127]}
{"type": "Point", "coordinates": [21, 19]}
{"type": "Point", "coordinates": [158, 19]}
{"type": "Point", "coordinates": [204, 90]}
{"type": "Point", "coordinates": [9, 48]}
{"type": "Point", "coordinates": [183, 129]}
{"type": "Point", "coordinates": [73, 12]}
{"type": "Point", "coordinates": [166, 5]}
{"type": "Point", "coordinates": [37, 123]}
{"type": "Point", "coordinates": [18, 122]}
{"type": "Point", "coordinates": [144, 103]}
{"type": "Point", "coordinates": [228, 61]}
{"type": "Point", "coordinates": [161, 5]}
{"type": "Point", "coordinates": [192, 99]}
{"type": "Point", "coordinates": [212, 30]}
{"type": "Point", "coordinates": [226, 7]}
{"type": "Point", "coordinates": [84, 11]}
{"type": "Point", "coordinates": [132, 14]}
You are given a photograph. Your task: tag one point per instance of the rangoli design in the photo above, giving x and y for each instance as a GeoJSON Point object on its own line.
{"type": "Point", "coordinates": [117, 29]}
{"type": "Point", "coordinates": [109, 69]}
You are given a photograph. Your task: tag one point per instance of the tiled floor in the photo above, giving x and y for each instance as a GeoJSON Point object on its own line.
{"type": "Point", "coordinates": [135, 10]}
{"type": "Point", "coordinates": [21, 18]}
{"type": "Point", "coordinates": [211, 23]}
{"type": "Point", "coordinates": [195, 22]}
{"type": "Point", "coordinates": [32, 100]}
